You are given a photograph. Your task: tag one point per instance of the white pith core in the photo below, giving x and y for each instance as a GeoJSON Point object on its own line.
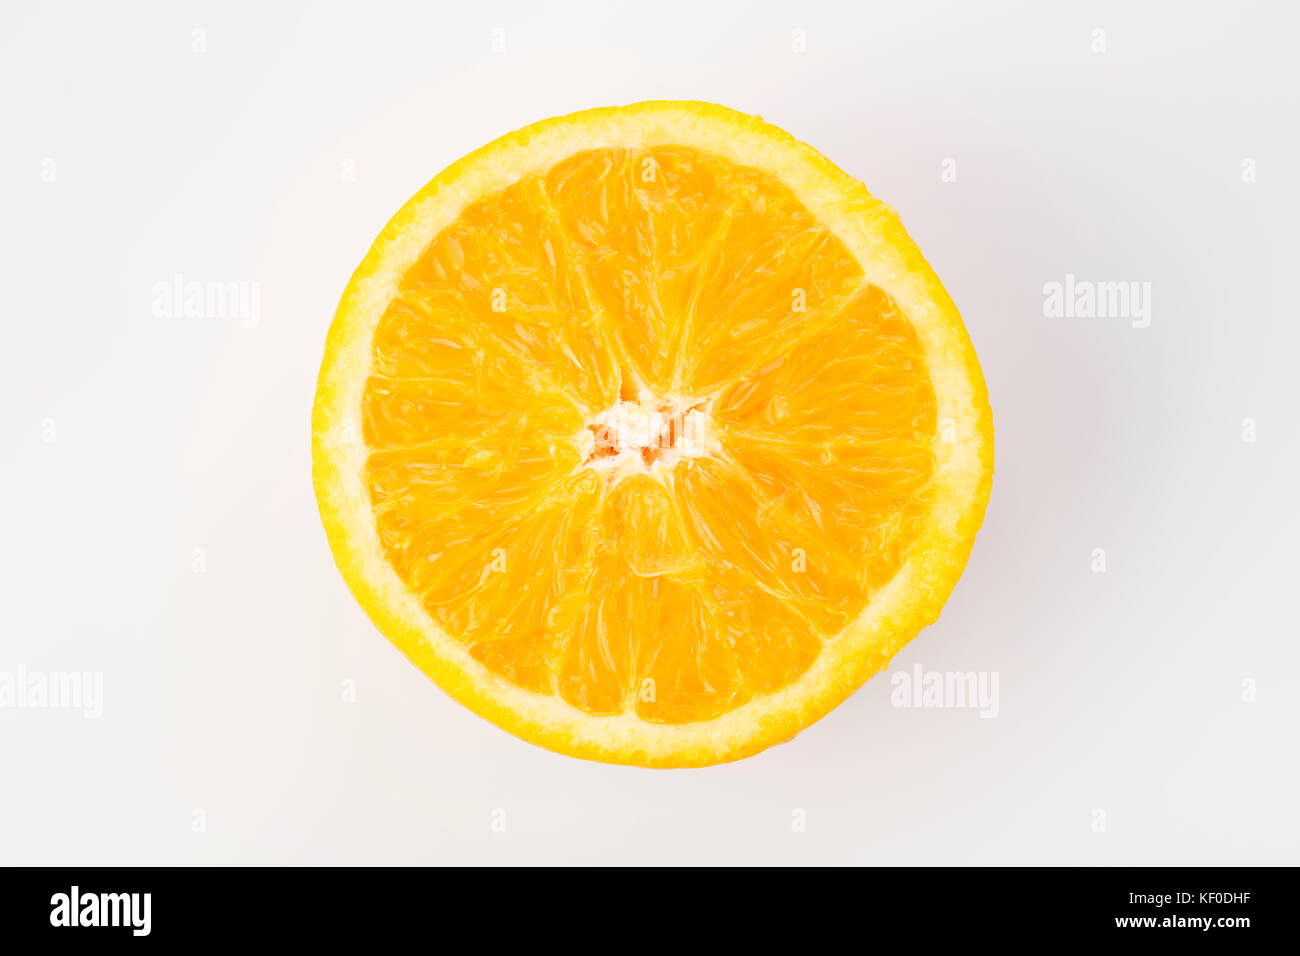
{"type": "Point", "coordinates": [646, 436]}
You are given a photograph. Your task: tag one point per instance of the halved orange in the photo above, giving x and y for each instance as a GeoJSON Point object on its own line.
{"type": "Point", "coordinates": [649, 435]}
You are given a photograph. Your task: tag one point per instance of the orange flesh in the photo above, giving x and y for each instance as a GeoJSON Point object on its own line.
{"type": "Point", "coordinates": [688, 578]}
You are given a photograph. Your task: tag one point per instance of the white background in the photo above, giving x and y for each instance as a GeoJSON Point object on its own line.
{"type": "Point", "coordinates": [1119, 691]}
